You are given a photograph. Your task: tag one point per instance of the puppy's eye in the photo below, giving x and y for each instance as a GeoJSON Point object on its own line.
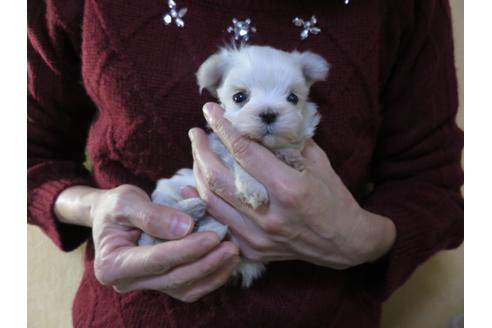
{"type": "Point", "coordinates": [292, 98]}
{"type": "Point", "coordinates": [239, 97]}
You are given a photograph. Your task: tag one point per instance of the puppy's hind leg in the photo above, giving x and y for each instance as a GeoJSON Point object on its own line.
{"type": "Point", "coordinates": [249, 190]}
{"type": "Point", "coordinates": [291, 157]}
{"type": "Point", "coordinates": [249, 271]}
{"type": "Point", "coordinates": [194, 207]}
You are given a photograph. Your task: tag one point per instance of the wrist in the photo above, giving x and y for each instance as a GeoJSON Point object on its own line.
{"type": "Point", "coordinates": [74, 205]}
{"type": "Point", "coordinates": [377, 235]}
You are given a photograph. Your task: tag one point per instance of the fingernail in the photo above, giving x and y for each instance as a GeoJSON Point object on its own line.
{"type": "Point", "coordinates": [208, 112]}
{"type": "Point", "coordinates": [192, 134]}
{"type": "Point", "coordinates": [209, 241]}
{"type": "Point", "coordinates": [180, 226]}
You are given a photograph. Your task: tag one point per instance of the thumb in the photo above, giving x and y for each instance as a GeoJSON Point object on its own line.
{"type": "Point", "coordinates": [314, 155]}
{"type": "Point", "coordinates": [160, 221]}
{"type": "Point", "coordinates": [318, 163]}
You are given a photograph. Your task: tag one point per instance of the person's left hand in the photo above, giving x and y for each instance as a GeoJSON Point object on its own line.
{"type": "Point", "coordinates": [311, 216]}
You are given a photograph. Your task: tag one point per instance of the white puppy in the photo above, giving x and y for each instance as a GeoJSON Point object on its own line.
{"type": "Point", "coordinates": [264, 92]}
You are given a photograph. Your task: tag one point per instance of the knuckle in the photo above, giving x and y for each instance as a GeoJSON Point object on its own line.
{"type": "Point", "coordinates": [125, 189]}
{"type": "Point", "coordinates": [291, 195]}
{"type": "Point", "coordinates": [121, 289]}
{"type": "Point", "coordinates": [119, 194]}
{"type": "Point", "coordinates": [206, 196]}
{"type": "Point", "coordinates": [148, 222]}
{"type": "Point", "coordinates": [273, 225]}
{"type": "Point", "coordinates": [190, 297]}
{"type": "Point", "coordinates": [219, 125]}
{"type": "Point", "coordinates": [115, 207]}
{"type": "Point", "coordinates": [172, 284]}
{"type": "Point", "coordinates": [252, 255]}
{"type": "Point", "coordinates": [152, 265]}
{"type": "Point", "coordinates": [340, 266]}
{"type": "Point", "coordinates": [240, 147]}
{"type": "Point", "coordinates": [258, 244]}
{"type": "Point", "coordinates": [212, 179]}
{"type": "Point", "coordinates": [103, 278]}
{"type": "Point", "coordinates": [117, 199]}
{"type": "Point", "coordinates": [103, 275]}
{"type": "Point", "coordinates": [208, 267]}
{"type": "Point", "coordinates": [230, 249]}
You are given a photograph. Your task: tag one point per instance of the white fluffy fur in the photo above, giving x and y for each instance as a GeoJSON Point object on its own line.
{"type": "Point", "coordinates": [267, 76]}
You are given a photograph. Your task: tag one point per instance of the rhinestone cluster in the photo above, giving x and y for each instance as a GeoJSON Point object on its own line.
{"type": "Point", "coordinates": [174, 14]}
{"type": "Point", "coordinates": [241, 29]}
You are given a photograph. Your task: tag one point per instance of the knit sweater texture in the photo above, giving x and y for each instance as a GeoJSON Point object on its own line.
{"type": "Point", "coordinates": [109, 79]}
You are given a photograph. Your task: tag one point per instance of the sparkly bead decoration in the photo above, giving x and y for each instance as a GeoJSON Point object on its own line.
{"type": "Point", "coordinates": [308, 26]}
{"type": "Point", "coordinates": [241, 29]}
{"type": "Point", "coordinates": [175, 14]}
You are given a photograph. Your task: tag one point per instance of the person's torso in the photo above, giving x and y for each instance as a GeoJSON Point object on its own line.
{"type": "Point", "coordinates": [141, 75]}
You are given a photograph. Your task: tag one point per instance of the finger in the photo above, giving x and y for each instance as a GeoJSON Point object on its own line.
{"type": "Point", "coordinates": [254, 158]}
{"type": "Point", "coordinates": [227, 214]}
{"type": "Point", "coordinates": [318, 163]}
{"type": "Point", "coordinates": [245, 248]}
{"type": "Point", "coordinates": [159, 221]}
{"type": "Point", "coordinates": [242, 219]}
{"type": "Point", "coordinates": [314, 155]}
{"type": "Point", "coordinates": [135, 262]}
{"type": "Point", "coordinates": [208, 284]}
{"type": "Point", "coordinates": [216, 176]}
{"type": "Point", "coordinates": [183, 276]}
{"type": "Point", "coordinates": [260, 254]}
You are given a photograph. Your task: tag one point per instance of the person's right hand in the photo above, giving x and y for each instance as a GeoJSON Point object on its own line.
{"type": "Point", "coordinates": [186, 267]}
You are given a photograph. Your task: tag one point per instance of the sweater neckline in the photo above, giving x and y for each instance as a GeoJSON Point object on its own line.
{"type": "Point", "coordinates": [257, 5]}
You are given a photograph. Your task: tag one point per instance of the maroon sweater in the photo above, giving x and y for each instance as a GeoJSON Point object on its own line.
{"type": "Point", "coordinates": [110, 77]}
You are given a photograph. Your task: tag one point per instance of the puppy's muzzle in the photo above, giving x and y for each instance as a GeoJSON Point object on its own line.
{"type": "Point", "coordinates": [268, 117]}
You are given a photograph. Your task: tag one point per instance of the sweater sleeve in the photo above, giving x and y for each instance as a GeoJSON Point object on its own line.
{"type": "Point", "coordinates": [59, 114]}
{"type": "Point", "coordinates": [417, 170]}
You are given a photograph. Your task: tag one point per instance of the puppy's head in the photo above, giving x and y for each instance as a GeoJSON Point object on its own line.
{"type": "Point", "coordinates": [264, 91]}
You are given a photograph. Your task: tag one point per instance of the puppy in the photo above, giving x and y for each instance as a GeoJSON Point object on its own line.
{"type": "Point", "coordinates": [264, 92]}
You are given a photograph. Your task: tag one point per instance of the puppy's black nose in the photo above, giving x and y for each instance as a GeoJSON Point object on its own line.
{"type": "Point", "coordinates": [268, 117]}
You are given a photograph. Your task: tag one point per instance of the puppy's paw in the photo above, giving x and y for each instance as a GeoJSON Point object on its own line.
{"type": "Point", "coordinates": [249, 271]}
{"type": "Point", "coordinates": [209, 223]}
{"type": "Point", "coordinates": [291, 157]}
{"type": "Point", "coordinates": [255, 195]}
{"type": "Point", "coordinates": [248, 189]}
{"type": "Point", "coordinates": [147, 240]}
{"type": "Point", "coordinates": [194, 207]}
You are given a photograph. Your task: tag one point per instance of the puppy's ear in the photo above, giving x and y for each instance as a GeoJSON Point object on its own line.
{"type": "Point", "coordinates": [314, 67]}
{"type": "Point", "coordinates": [210, 73]}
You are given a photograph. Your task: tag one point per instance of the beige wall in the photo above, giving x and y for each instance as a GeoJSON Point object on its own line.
{"type": "Point", "coordinates": [432, 296]}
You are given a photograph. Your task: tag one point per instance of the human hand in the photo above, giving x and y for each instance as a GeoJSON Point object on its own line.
{"type": "Point", "coordinates": [311, 215]}
{"type": "Point", "coordinates": [186, 267]}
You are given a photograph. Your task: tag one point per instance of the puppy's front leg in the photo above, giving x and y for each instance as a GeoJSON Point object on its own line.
{"type": "Point", "coordinates": [291, 157]}
{"type": "Point", "coordinates": [194, 207]}
{"type": "Point", "coordinates": [248, 189]}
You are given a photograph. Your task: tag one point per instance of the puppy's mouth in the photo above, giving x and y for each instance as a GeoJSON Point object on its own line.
{"type": "Point", "coordinates": [264, 134]}
{"type": "Point", "coordinates": [268, 131]}
{"type": "Point", "coordinates": [272, 138]}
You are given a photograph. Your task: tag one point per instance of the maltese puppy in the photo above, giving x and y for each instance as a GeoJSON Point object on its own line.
{"type": "Point", "coordinates": [264, 92]}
